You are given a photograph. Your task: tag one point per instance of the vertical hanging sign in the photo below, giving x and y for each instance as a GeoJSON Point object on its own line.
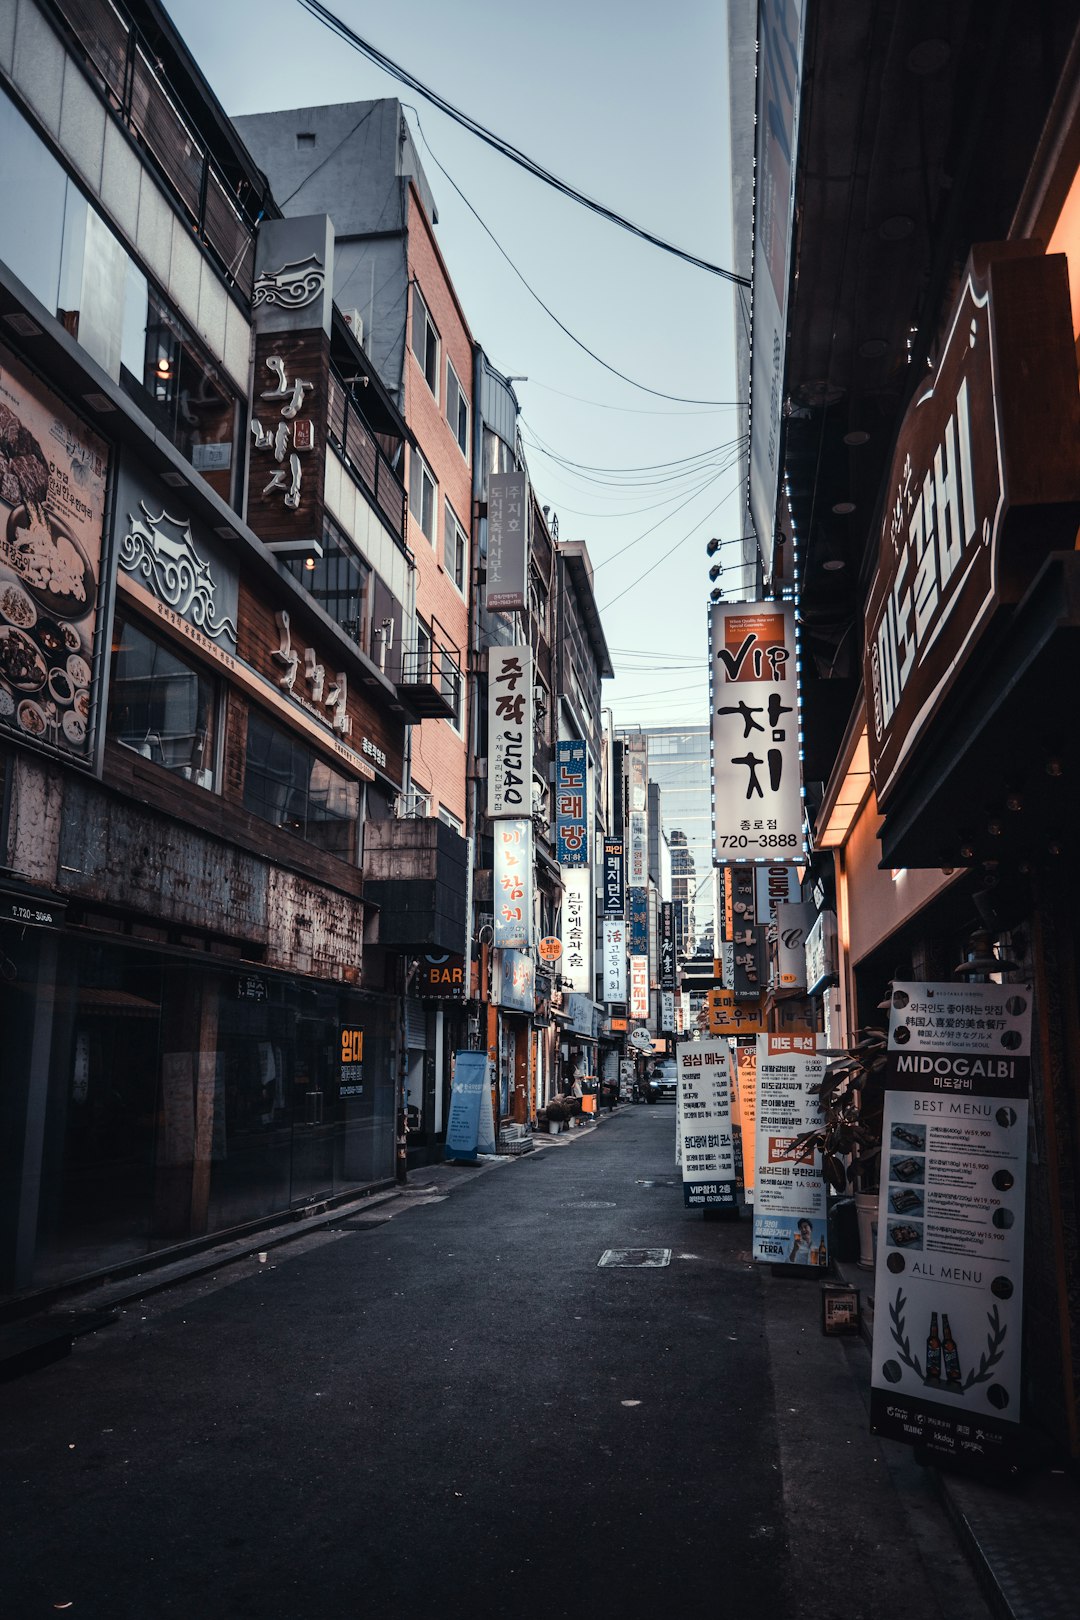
{"type": "Point", "coordinates": [950, 1257]}
{"type": "Point", "coordinates": [577, 957]}
{"type": "Point", "coordinates": [639, 987]}
{"type": "Point", "coordinates": [614, 886]}
{"type": "Point", "coordinates": [507, 541]}
{"type": "Point", "coordinates": [614, 960]}
{"type": "Point", "coordinates": [510, 731]}
{"type": "Point", "coordinates": [707, 1142]}
{"type": "Point", "coordinates": [512, 884]}
{"type": "Point", "coordinates": [571, 804]}
{"type": "Point", "coordinates": [755, 731]}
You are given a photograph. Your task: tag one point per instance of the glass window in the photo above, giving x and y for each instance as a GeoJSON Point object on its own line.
{"type": "Point", "coordinates": [425, 342]}
{"type": "Point", "coordinates": [161, 706]}
{"type": "Point", "coordinates": [423, 651]}
{"type": "Point", "coordinates": [340, 581]}
{"type": "Point", "coordinates": [422, 492]}
{"type": "Point", "coordinates": [33, 188]}
{"type": "Point", "coordinates": [181, 390]}
{"type": "Point", "coordinates": [451, 689]}
{"type": "Point", "coordinates": [457, 410]}
{"type": "Point", "coordinates": [455, 548]}
{"type": "Point", "coordinates": [450, 819]}
{"type": "Point", "coordinates": [289, 785]}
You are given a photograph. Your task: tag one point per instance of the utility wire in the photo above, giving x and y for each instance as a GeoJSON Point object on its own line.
{"type": "Point", "coordinates": [324, 15]}
{"type": "Point", "coordinates": [679, 399]}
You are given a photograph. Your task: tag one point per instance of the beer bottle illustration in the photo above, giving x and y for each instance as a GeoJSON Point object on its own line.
{"type": "Point", "coordinates": [822, 1257]}
{"type": "Point", "coordinates": [933, 1349]}
{"type": "Point", "coordinates": [948, 1350]}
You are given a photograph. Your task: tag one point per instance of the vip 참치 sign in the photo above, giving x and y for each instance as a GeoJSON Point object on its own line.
{"type": "Point", "coordinates": [755, 731]}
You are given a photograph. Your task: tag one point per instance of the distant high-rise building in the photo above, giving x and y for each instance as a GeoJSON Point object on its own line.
{"type": "Point", "coordinates": [678, 761]}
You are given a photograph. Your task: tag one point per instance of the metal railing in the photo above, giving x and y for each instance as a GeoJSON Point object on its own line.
{"type": "Point", "coordinates": [364, 457]}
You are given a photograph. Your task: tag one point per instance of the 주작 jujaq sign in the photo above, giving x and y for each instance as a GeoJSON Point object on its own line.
{"type": "Point", "coordinates": [949, 1279]}
{"type": "Point", "coordinates": [755, 732]}
{"type": "Point", "coordinates": [510, 731]}
{"type": "Point", "coordinates": [707, 1145]}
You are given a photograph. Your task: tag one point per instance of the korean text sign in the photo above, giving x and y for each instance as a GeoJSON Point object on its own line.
{"type": "Point", "coordinates": [510, 731]}
{"type": "Point", "coordinates": [790, 1213]}
{"type": "Point", "coordinates": [755, 731]}
{"type": "Point", "coordinates": [512, 878]}
{"type": "Point", "coordinates": [949, 1275]}
{"type": "Point", "coordinates": [571, 804]}
{"type": "Point", "coordinates": [577, 935]}
{"type": "Point", "coordinates": [507, 541]}
{"type": "Point", "coordinates": [707, 1147]}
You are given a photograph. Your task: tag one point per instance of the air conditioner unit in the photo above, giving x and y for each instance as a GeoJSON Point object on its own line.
{"type": "Point", "coordinates": [355, 321]}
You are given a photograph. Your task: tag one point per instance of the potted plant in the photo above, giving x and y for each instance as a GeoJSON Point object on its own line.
{"type": "Point", "coordinates": [848, 1136]}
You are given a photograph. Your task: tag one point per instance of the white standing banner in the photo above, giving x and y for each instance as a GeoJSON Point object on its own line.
{"type": "Point", "coordinates": [510, 731]}
{"type": "Point", "coordinates": [706, 1139]}
{"type": "Point", "coordinates": [639, 987]}
{"type": "Point", "coordinates": [949, 1275]}
{"type": "Point", "coordinates": [790, 1210]}
{"type": "Point", "coordinates": [512, 879]}
{"type": "Point", "coordinates": [754, 700]}
{"type": "Point", "coordinates": [614, 959]}
{"type": "Point", "coordinates": [576, 967]}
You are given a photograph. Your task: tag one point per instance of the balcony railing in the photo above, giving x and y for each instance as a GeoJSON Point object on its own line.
{"type": "Point", "coordinates": [143, 101]}
{"type": "Point", "coordinates": [363, 456]}
{"type": "Point", "coordinates": [431, 681]}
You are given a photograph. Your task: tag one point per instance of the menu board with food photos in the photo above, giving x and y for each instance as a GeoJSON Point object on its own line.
{"type": "Point", "coordinates": [52, 504]}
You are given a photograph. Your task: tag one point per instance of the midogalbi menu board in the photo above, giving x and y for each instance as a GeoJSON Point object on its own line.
{"type": "Point", "coordinates": [791, 1221]}
{"type": "Point", "coordinates": [707, 1146]}
{"type": "Point", "coordinates": [52, 504]}
{"type": "Point", "coordinates": [948, 1287]}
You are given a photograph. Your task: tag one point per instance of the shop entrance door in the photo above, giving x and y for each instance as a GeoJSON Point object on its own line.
{"type": "Point", "coordinates": [314, 1116]}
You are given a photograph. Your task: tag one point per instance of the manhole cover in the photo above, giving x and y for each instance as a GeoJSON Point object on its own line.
{"type": "Point", "coordinates": [635, 1257]}
{"type": "Point", "coordinates": [592, 1203]}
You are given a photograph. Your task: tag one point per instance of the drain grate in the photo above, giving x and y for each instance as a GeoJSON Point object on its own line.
{"type": "Point", "coordinates": [635, 1257]}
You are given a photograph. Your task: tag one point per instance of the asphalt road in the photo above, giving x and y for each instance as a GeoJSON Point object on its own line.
{"type": "Point", "coordinates": [445, 1407]}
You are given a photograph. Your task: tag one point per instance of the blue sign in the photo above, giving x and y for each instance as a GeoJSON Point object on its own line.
{"type": "Point", "coordinates": [571, 804]}
{"type": "Point", "coordinates": [638, 905]}
{"type": "Point", "coordinates": [470, 1128]}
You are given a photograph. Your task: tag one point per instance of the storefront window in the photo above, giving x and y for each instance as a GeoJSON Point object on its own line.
{"type": "Point", "coordinates": [340, 582]}
{"type": "Point", "coordinates": [289, 785]}
{"type": "Point", "coordinates": [161, 706]}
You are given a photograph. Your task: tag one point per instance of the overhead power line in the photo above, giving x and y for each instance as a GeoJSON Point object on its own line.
{"type": "Point", "coordinates": [329, 20]}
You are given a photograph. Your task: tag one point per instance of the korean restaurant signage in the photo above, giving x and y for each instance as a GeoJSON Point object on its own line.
{"type": "Point", "coordinates": [614, 959]}
{"type": "Point", "coordinates": [637, 772]}
{"type": "Point", "coordinates": [755, 731]}
{"type": "Point", "coordinates": [791, 927]}
{"type": "Point", "coordinates": [822, 959]}
{"type": "Point", "coordinates": [581, 1014]}
{"type": "Point", "coordinates": [577, 919]}
{"type": "Point", "coordinates": [639, 987]}
{"type": "Point", "coordinates": [510, 731]}
{"type": "Point", "coordinates": [779, 91]}
{"type": "Point", "coordinates": [571, 804]}
{"type": "Point", "coordinates": [515, 986]}
{"type": "Point", "coordinates": [707, 1153]}
{"type": "Point", "coordinates": [614, 884]}
{"type": "Point", "coordinates": [667, 1011]}
{"type": "Point", "coordinates": [512, 880]}
{"type": "Point", "coordinates": [441, 977]}
{"type": "Point", "coordinates": [638, 874]}
{"type": "Point", "coordinates": [991, 439]}
{"type": "Point", "coordinates": [744, 1110]}
{"type": "Point", "coordinates": [667, 945]}
{"type": "Point", "coordinates": [176, 560]}
{"type": "Point", "coordinates": [726, 1016]}
{"type": "Point", "coordinates": [294, 274]}
{"type": "Point", "coordinates": [638, 907]}
{"type": "Point", "coordinates": [507, 541]}
{"type": "Point", "coordinates": [52, 506]}
{"type": "Point", "coordinates": [743, 950]}
{"type": "Point", "coordinates": [790, 1212]}
{"type": "Point", "coordinates": [775, 885]}
{"type": "Point", "coordinates": [949, 1277]}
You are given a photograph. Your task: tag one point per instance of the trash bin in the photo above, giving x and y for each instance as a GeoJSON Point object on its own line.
{"type": "Point", "coordinates": [588, 1102]}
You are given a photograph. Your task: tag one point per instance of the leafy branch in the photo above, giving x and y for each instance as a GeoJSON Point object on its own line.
{"type": "Point", "coordinates": [899, 1333]}
{"type": "Point", "coordinates": [993, 1352]}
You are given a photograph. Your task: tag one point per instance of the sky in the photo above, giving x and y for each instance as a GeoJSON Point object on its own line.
{"type": "Point", "coordinates": [636, 117]}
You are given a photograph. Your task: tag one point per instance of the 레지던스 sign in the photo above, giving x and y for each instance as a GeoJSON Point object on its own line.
{"type": "Point", "coordinates": [512, 879]}
{"type": "Point", "coordinates": [707, 1149]}
{"type": "Point", "coordinates": [507, 536]}
{"type": "Point", "coordinates": [614, 886]}
{"type": "Point", "coordinates": [790, 1211]}
{"type": "Point", "coordinates": [949, 1278]}
{"type": "Point", "coordinates": [510, 731]}
{"type": "Point", "coordinates": [755, 731]}
{"type": "Point", "coordinates": [470, 1127]}
{"type": "Point", "coordinates": [571, 804]}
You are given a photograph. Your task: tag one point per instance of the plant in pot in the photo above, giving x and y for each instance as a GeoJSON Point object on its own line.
{"type": "Point", "coordinates": [848, 1136]}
